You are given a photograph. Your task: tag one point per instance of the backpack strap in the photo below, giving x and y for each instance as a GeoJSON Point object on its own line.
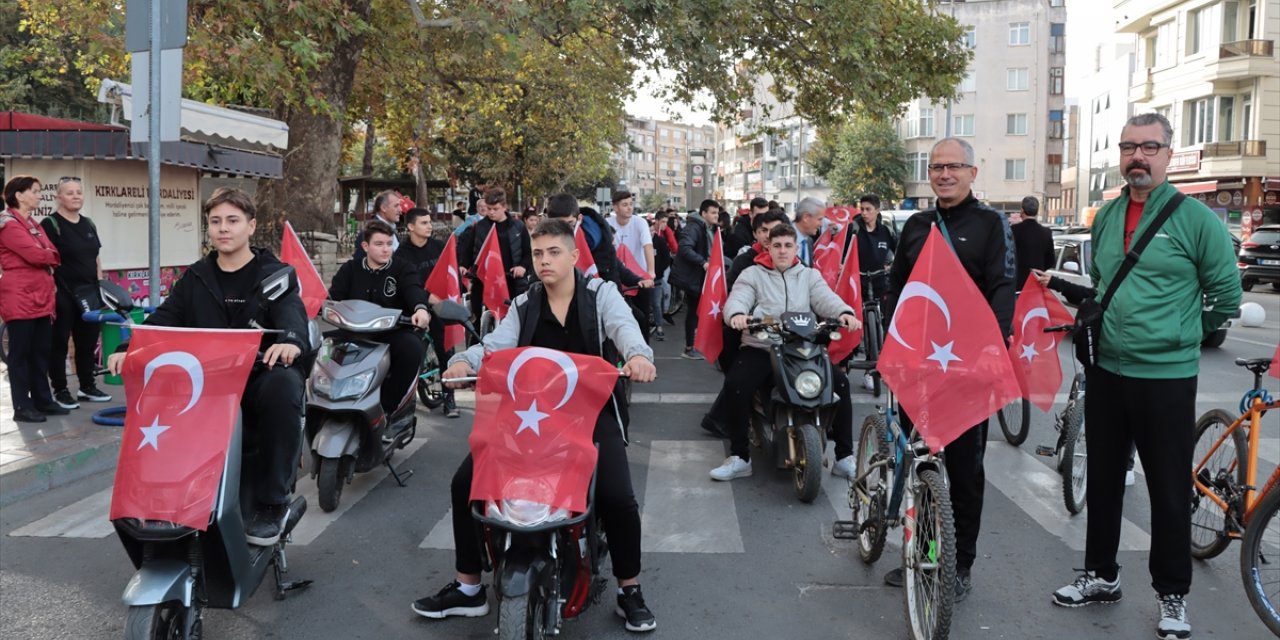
{"type": "Point", "coordinates": [1135, 251]}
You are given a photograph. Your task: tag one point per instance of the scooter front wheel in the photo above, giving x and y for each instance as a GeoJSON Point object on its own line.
{"type": "Point", "coordinates": [329, 481]}
{"type": "Point", "coordinates": [165, 621]}
{"type": "Point", "coordinates": [808, 466]}
{"type": "Point", "coordinates": [520, 618]}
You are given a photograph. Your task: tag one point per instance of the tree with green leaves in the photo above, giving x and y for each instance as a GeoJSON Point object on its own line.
{"type": "Point", "coordinates": [860, 157]}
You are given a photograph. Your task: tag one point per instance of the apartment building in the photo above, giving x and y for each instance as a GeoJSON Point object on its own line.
{"type": "Point", "coordinates": [670, 158]}
{"type": "Point", "coordinates": [1211, 67]}
{"type": "Point", "coordinates": [1011, 105]}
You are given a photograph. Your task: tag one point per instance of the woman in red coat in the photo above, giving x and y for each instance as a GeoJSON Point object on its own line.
{"type": "Point", "coordinates": [27, 259]}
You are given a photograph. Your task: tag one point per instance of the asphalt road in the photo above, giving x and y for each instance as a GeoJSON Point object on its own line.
{"type": "Point", "coordinates": [722, 561]}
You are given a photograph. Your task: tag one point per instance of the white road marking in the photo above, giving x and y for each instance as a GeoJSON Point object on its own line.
{"type": "Point", "coordinates": [316, 521]}
{"type": "Point", "coordinates": [441, 535]}
{"type": "Point", "coordinates": [85, 518]}
{"type": "Point", "coordinates": [685, 511]}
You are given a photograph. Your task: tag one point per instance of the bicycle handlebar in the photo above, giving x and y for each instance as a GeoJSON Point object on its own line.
{"type": "Point", "coordinates": [1062, 328]}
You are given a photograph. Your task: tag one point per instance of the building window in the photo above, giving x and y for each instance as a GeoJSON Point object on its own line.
{"type": "Point", "coordinates": [926, 122]}
{"type": "Point", "coordinates": [918, 166]}
{"type": "Point", "coordinates": [970, 82]}
{"type": "Point", "coordinates": [1015, 169]}
{"type": "Point", "coordinates": [1055, 81]}
{"type": "Point", "coordinates": [1246, 118]}
{"type": "Point", "coordinates": [1016, 124]}
{"type": "Point", "coordinates": [962, 125]}
{"type": "Point", "coordinates": [1164, 42]}
{"type": "Point", "coordinates": [1053, 173]}
{"type": "Point", "coordinates": [971, 37]}
{"type": "Point", "coordinates": [1195, 30]}
{"type": "Point", "coordinates": [665, 133]}
{"type": "Point", "coordinates": [664, 165]}
{"type": "Point", "coordinates": [1019, 33]}
{"type": "Point", "coordinates": [1057, 3]}
{"type": "Point", "coordinates": [1018, 79]}
{"type": "Point", "coordinates": [1200, 121]}
{"type": "Point", "coordinates": [1057, 37]}
{"type": "Point", "coordinates": [1056, 124]}
{"type": "Point", "coordinates": [1226, 117]}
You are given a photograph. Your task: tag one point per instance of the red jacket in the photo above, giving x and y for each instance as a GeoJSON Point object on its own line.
{"type": "Point", "coordinates": [27, 259]}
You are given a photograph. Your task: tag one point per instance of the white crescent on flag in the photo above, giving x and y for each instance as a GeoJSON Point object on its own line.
{"type": "Point", "coordinates": [918, 290]}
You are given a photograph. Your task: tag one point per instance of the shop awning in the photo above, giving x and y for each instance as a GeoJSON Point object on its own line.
{"type": "Point", "coordinates": [1192, 188]}
{"type": "Point", "coordinates": [210, 122]}
{"type": "Point", "coordinates": [1272, 184]}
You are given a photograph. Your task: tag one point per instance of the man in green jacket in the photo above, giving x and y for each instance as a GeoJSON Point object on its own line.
{"type": "Point", "coordinates": [1143, 390]}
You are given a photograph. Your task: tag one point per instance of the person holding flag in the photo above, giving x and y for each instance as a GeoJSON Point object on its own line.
{"type": "Point", "coordinates": [424, 252]}
{"type": "Point", "coordinates": [570, 313]}
{"type": "Point", "coordinates": [513, 247]}
{"type": "Point", "coordinates": [981, 240]}
{"type": "Point", "coordinates": [776, 284]}
{"type": "Point", "coordinates": [223, 291]}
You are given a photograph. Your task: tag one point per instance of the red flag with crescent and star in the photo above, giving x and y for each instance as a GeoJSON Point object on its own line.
{"type": "Point", "coordinates": [850, 292]}
{"type": "Point", "coordinates": [443, 283]}
{"type": "Point", "coordinates": [944, 356]}
{"type": "Point", "coordinates": [709, 339]}
{"type": "Point", "coordinates": [839, 215]}
{"type": "Point", "coordinates": [630, 263]}
{"type": "Point", "coordinates": [536, 411]}
{"type": "Point", "coordinates": [493, 275]}
{"type": "Point", "coordinates": [311, 284]}
{"type": "Point", "coordinates": [182, 392]}
{"type": "Point", "coordinates": [826, 255]}
{"type": "Point", "coordinates": [1035, 353]}
{"type": "Point", "coordinates": [586, 262]}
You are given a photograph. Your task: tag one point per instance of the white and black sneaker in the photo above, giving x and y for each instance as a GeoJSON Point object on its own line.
{"type": "Point", "coordinates": [451, 601]}
{"type": "Point", "coordinates": [1088, 589]}
{"type": "Point", "coordinates": [264, 527]}
{"type": "Point", "coordinates": [93, 394]}
{"type": "Point", "coordinates": [632, 609]}
{"type": "Point", "coordinates": [1173, 623]}
{"type": "Point", "coordinates": [63, 399]}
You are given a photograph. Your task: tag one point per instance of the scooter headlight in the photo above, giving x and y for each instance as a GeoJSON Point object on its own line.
{"type": "Point", "coordinates": [808, 384]}
{"type": "Point", "coordinates": [524, 512]}
{"type": "Point", "coordinates": [321, 383]}
{"type": "Point", "coordinates": [352, 387]}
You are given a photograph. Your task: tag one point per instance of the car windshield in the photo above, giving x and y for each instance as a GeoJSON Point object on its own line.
{"type": "Point", "coordinates": [1265, 236]}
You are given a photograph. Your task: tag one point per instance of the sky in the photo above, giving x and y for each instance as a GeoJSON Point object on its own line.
{"type": "Point", "coordinates": [647, 105]}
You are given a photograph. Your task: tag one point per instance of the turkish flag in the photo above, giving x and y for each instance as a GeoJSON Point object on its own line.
{"type": "Point", "coordinates": [443, 283]}
{"type": "Point", "coordinates": [839, 215]}
{"type": "Point", "coordinates": [586, 261]}
{"type": "Point", "coordinates": [536, 411]}
{"type": "Point", "coordinates": [944, 356]}
{"type": "Point", "coordinates": [1275, 364]}
{"type": "Point", "coordinates": [826, 255]}
{"type": "Point", "coordinates": [493, 276]}
{"type": "Point", "coordinates": [1034, 353]}
{"type": "Point", "coordinates": [849, 289]}
{"type": "Point", "coordinates": [630, 263]}
{"type": "Point", "coordinates": [182, 392]}
{"type": "Point", "coordinates": [293, 254]}
{"type": "Point", "coordinates": [709, 338]}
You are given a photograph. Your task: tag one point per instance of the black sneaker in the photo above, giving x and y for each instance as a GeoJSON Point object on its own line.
{"type": "Point", "coordinates": [631, 608]}
{"type": "Point", "coordinates": [713, 426]}
{"type": "Point", "coordinates": [93, 394]}
{"type": "Point", "coordinates": [52, 410]}
{"type": "Point", "coordinates": [29, 414]}
{"type": "Point", "coordinates": [63, 399]}
{"type": "Point", "coordinates": [894, 578]}
{"type": "Point", "coordinates": [963, 585]}
{"type": "Point", "coordinates": [264, 528]}
{"type": "Point", "coordinates": [450, 406]}
{"type": "Point", "coordinates": [450, 601]}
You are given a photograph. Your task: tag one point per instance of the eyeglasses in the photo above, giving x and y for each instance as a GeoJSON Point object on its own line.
{"type": "Point", "coordinates": [949, 166]}
{"type": "Point", "coordinates": [1149, 148]}
{"type": "Point", "coordinates": [65, 179]}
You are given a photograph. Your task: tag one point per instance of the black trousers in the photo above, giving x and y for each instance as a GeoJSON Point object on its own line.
{"type": "Point", "coordinates": [691, 298]}
{"type": "Point", "coordinates": [273, 405]}
{"type": "Point", "coordinates": [70, 324]}
{"type": "Point", "coordinates": [29, 343]}
{"type": "Point", "coordinates": [1159, 417]}
{"type": "Point", "coordinates": [967, 480]}
{"type": "Point", "coordinates": [407, 352]}
{"type": "Point", "coordinates": [436, 331]}
{"type": "Point", "coordinates": [615, 502]}
{"type": "Point", "coordinates": [752, 371]}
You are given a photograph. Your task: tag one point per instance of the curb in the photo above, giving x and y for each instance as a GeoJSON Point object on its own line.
{"type": "Point", "coordinates": [28, 479]}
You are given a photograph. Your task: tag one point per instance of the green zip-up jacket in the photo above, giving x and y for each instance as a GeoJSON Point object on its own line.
{"type": "Point", "coordinates": [1184, 286]}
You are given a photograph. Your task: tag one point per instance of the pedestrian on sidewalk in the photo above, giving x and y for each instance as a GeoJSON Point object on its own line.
{"type": "Point", "coordinates": [76, 238]}
{"type": "Point", "coordinates": [690, 267]}
{"type": "Point", "coordinates": [27, 259]}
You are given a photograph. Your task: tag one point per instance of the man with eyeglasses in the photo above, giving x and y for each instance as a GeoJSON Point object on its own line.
{"type": "Point", "coordinates": [1143, 390]}
{"type": "Point", "coordinates": [982, 241]}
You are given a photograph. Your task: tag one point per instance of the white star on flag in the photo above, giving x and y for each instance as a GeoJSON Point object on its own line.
{"type": "Point", "coordinates": [530, 419]}
{"type": "Point", "coordinates": [1029, 352]}
{"type": "Point", "coordinates": [151, 434]}
{"type": "Point", "coordinates": [715, 308]}
{"type": "Point", "coordinates": [942, 354]}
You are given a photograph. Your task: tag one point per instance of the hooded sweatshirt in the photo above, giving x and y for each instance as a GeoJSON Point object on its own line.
{"type": "Point", "coordinates": [762, 290]}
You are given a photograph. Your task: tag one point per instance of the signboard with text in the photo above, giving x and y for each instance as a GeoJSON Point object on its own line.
{"type": "Point", "coordinates": [1184, 162]}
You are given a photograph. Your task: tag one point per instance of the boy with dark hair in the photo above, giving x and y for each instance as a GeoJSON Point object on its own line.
{"type": "Point", "coordinates": [423, 252]}
{"type": "Point", "coordinates": [513, 245]}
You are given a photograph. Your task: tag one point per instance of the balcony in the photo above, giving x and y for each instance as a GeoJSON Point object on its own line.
{"type": "Point", "coordinates": [1246, 148]}
{"type": "Point", "coordinates": [1142, 89]}
{"type": "Point", "coordinates": [1243, 60]}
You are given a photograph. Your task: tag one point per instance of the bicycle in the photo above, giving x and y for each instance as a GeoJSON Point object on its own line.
{"type": "Point", "coordinates": [431, 390]}
{"type": "Point", "coordinates": [873, 324]}
{"type": "Point", "coordinates": [1071, 448]}
{"type": "Point", "coordinates": [923, 511]}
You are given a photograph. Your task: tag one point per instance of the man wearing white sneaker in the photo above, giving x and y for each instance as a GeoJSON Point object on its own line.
{"type": "Point", "coordinates": [775, 284]}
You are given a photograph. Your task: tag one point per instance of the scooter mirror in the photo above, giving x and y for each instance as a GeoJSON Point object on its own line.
{"type": "Point", "coordinates": [451, 312]}
{"type": "Point", "coordinates": [115, 297]}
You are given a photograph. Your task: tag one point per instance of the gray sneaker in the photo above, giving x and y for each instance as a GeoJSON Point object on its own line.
{"type": "Point", "coordinates": [1173, 623]}
{"type": "Point", "coordinates": [733, 467]}
{"type": "Point", "coordinates": [845, 467]}
{"type": "Point", "coordinates": [1088, 589]}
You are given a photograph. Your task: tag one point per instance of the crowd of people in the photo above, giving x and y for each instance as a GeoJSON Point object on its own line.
{"type": "Point", "coordinates": [1179, 290]}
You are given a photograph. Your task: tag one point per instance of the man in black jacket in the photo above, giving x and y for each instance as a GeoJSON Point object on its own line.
{"type": "Point", "coordinates": [225, 291]}
{"type": "Point", "coordinates": [388, 281]}
{"type": "Point", "coordinates": [423, 252]}
{"type": "Point", "coordinates": [982, 241]}
{"type": "Point", "coordinates": [690, 267]}
{"type": "Point", "coordinates": [1032, 243]}
{"type": "Point", "coordinates": [743, 234]}
{"type": "Point", "coordinates": [513, 244]}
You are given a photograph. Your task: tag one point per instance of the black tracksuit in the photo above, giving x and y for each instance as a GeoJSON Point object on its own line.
{"type": "Point", "coordinates": [424, 258]}
{"type": "Point", "coordinates": [397, 285]}
{"type": "Point", "coordinates": [513, 244]}
{"type": "Point", "coordinates": [272, 402]}
{"type": "Point", "coordinates": [78, 245]}
{"type": "Point", "coordinates": [1033, 246]}
{"type": "Point", "coordinates": [981, 239]}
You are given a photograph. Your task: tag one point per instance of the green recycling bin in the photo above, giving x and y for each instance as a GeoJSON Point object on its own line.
{"type": "Point", "coordinates": [112, 335]}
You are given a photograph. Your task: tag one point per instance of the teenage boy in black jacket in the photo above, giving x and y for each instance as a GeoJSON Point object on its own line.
{"type": "Point", "coordinates": [423, 251]}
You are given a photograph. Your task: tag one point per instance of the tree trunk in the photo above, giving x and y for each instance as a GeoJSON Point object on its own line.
{"type": "Point", "coordinates": [370, 136]}
{"type": "Point", "coordinates": [307, 195]}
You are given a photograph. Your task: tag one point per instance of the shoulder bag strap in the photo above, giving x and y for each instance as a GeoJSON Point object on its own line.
{"type": "Point", "coordinates": [1131, 258]}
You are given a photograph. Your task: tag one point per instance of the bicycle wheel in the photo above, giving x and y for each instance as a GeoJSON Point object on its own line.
{"type": "Point", "coordinates": [677, 301]}
{"type": "Point", "coordinates": [430, 388]}
{"type": "Point", "coordinates": [1259, 568]}
{"type": "Point", "coordinates": [1223, 473]}
{"type": "Point", "coordinates": [929, 559]}
{"type": "Point", "coordinates": [487, 322]}
{"type": "Point", "coordinates": [868, 492]}
{"type": "Point", "coordinates": [1015, 420]}
{"type": "Point", "coordinates": [4, 343]}
{"type": "Point", "coordinates": [873, 336]}
{"type": "Point", "coordinates": [1075, 458]}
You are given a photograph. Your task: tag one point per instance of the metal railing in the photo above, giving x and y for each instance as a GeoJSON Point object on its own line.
{"type": "Point", "coordinates": [1248, 148]}
{"type": "Point", "coordinates": [1261, 48]}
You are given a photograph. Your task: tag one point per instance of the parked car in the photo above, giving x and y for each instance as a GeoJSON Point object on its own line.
{"type": "Point", "coordinates": [1075, 254]}
{"type": "Point", "coordinates": [1259, 258]}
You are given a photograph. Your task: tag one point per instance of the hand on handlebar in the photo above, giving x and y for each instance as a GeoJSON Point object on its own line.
{"type": "Point", "coordinates": [739, 321]}
{"type": "Point", "coordinates": [115, 362]}
{"type": "Point", "coordinates": [850, 322]}
{"type": "Point", "coordinates": [420, 318]}
{"type": "Point", "coordinates": [640, 369]}
{"type": "Point", "coordinates": [284, 353]}
{"type": "Point", "coordinates": [458, 370]}
{"type": "Point", "coordinates": [646, 284]}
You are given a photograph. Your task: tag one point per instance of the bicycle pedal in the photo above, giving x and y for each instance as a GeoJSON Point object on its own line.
{"type": "Point", "coordinates": [844, 530]}
{"type": "Point", "coordinates": [1045, 451]}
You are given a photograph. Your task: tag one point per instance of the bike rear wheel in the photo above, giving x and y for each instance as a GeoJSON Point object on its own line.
{"type": "Point", "coordinates": [1075, 458]}
{"type": "Point", "coordinates": [1223, 473]}
{"type": "Point", "coordinates": [430, 388]}
{"type": "Point", "coordinates": [868, 494]}
{"type": "Point", "coordinates": [929, 559]}
{"type": "Point", "coordinates": [1259, 566]}
{"type": "Point", "coordinates": [1015, 421]}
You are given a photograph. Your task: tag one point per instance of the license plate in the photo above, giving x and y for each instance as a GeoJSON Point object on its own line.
{"type": "Point", "coordinates": [1270, 263]}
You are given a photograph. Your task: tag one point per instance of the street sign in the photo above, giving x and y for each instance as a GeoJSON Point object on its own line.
{"type": "Point", "coordinates": [170, 96]}
{"type": "Point", "coordinates": [137, 26]}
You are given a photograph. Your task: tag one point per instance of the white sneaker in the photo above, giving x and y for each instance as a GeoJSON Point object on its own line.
{"type": "Point", "coordinates": [733, 467]}
{"type": "Point", "coordinates": [845, 467]}
{"type": "Point", "coordinates": [868, 382]}
{"type": "Point", "coordinates": [1173, 623]}
{"type": "Point", "coordinates": [1129, 478]}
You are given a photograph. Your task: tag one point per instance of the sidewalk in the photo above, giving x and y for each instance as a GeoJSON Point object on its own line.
{"type": "Point", "coordinates": [37, 457]}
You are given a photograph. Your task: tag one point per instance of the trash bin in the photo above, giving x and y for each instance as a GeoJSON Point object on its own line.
{"type": "Point", "coordinates": [113, 333]}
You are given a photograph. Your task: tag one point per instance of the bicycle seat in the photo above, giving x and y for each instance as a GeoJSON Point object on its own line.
{"type": "Point", "coordinates": [1256, 365]}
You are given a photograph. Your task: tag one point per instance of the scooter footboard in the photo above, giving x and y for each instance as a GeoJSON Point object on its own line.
{"type": "Point", "coordinates": [522, 569]}
{"type": "Point", "coordinates": [159, 581]}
